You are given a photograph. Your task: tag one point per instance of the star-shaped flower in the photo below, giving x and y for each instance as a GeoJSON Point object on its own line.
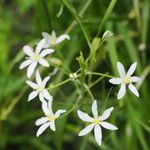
{"type": "Point", "coordinates": [96, 122]}
{"type": "Point", "coordinates": [52, 40]}
{"type": "Point", "coordinates": [49, 119]}
{"type": "Point", "coordinates": [39, 88]}
{"type": "Point", "coordinates": [33, 58]}
{"type": "Point", "coordinates": [126, 80]}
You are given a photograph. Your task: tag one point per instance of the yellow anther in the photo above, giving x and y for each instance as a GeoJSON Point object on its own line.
{"type": "Point", "coordinates": [39, 88]}
{"type": "Point", "coordinates": [51, 117]}
{"type": "Point", "coordinates": [53, 41]}
{"type": "Point", "coordinates": [36, 57]}
{"type": "Point", "coordinates": [96, 121]}
{"type": "Point", "coordinates": [126, 80]}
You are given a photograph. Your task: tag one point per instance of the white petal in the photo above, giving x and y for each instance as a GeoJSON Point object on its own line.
{"type": "Point", "coordinates": [42, 128]}
{"type": "Point", "coordinates": [40, 45]}
{"type": "Point", "coordinates": [135, 79]}
{"type": "Point", "coordinates": [43, 62]}
{"type": "Point", "coordinates": [53, 34]}
{"type": "Point", "coordinates": [131, 69]}
{"type": "Point", "coordinates": [44, 82]}
{"type": "Point", "coordinates": [133, 89]}
{"type": "Point", "coordinates": [25, 64]}
{"type": "Point", "coordinates": [38, 78]}
{"type": "Point", "coordinates": [46, 109]}
{"type": "Point", "coordinates": [59, 112]}
{"type": "Point", "coordinates": [28, 50]}
{"type": "Point", "coordinates": [121, 70]}
{"type": "Point", "coordinates": [47, 95]}
{"type": "Point", "coordinates": [52, 125]}
{"type": "Point", "coordinates": [108, 126]}
{"type": "Point", "coordinates": [41, 121]}
{"type": "Point", "coordinates": [98, 134]}
{"type": "Point", "coordinates": [115, 80]}
{"type": "Point", "coordinates": [50, 107]}
{"type": "Point", "coordinates": [31, 84]}
{"type": "Point", "coordinates": [31, 68]}
{"type": "Point", "coordinates": [86, 130]}
{"type": "Point", "coordinates": [122, 91]}
{"type": "Point", "coordinates": [84, 116]}
{"type": "Point", "coordinates": [106, 114]}
{"type": "Point", "coordinates": [62, 37]}
{"type": "Point", "coordinates": [46, 52]}
{"type": "Point", "coordinates": [41, 97]}
{"type": "Point", "coordinates": [94, 109]}
{"type": "Point", "coordinates": [46, 35]}
{"type": "Point", "coordinates": [32, 95]}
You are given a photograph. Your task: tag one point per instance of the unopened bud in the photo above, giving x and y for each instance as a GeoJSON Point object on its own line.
{"type": "Point", "coordinates": [73, 76]}
{"type": "Point", "coordinates": [107, 34]}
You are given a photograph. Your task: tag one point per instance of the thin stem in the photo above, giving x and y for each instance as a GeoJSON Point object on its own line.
{"type": "Point", "coordinates": [107, 14]}
{"type": "Point", "coordinates": [99, 74]}
{"type": "Point", "coordinates": [88, 90]}
{"type": "Point", "coordinates": [59, 84]}
{"type": "Point", "coordinates": [74, 13]}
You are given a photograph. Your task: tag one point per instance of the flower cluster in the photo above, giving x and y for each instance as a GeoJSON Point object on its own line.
{"type": "Point", "coordinates": [34, 57]}
{"type": "Point", "coordinates": [46, 46]}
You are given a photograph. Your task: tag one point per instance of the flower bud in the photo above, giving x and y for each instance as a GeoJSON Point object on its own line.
{"type": "Point", "coordinates": [107, 34]}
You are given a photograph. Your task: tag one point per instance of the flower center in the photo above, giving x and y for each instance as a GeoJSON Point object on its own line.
{"type": "Point", "coordinates": [40, 88]}
{"type": "Point", "coordinates": [53, 41]}
{"type": "Point", "coordinates": [126, 80]}
{"type": "Point", "coordinates": [36, 57]}
{"type": "Point", "coordinates": [96, 121]}
{"type": "Point", "coordinates": [51, 117]}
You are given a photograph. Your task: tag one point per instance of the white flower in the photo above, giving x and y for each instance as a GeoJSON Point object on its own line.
{"type": "Point", "coordinates": [49, 119]}
{"type": "Point", "coordinates": [96, 122]}
{"type": "Point", "coordinates": [39, 88]}
{"type": "Point", "coordinates": [52, 40]}
{"type": "Point", "coordinates": [126, 80]}
{"type": "Point", "coordinates": [35, 57]}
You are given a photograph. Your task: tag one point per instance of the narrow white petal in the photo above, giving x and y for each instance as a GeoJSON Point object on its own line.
{"type": "Point", "coordinates": [46, 52]}
{"type": "Point", "coordinates": [122, 91]}
{"type": "Point", "coordinates": [31, 68]}
{"type": "Point", "coordinates": [50, 107]}
{"type": "Point", "coordinates": [43, 62]}
{"type": "Point", "coordinates": [25, 64]}
{"type": "Point", "coordinates": [40, 45]}
{"type": "Point", "coordinates": [31, 84]}
{"type": "Point", "coordinates": [41, 97]}
{"type": "Point", "coordinates": [106, 114]}
{"type": "Point", "coordinates": [28, 50]}
{"type": "Point", "coordinates": [47, 95]}
{"type": "Point", "coordinates": [38, 78]}
{"type": "Point", "coordinates": [62, 37]}
{"type": "Point", "coordinates": [98, 134]}
{"type": "Point", "coordinates": [46, 35]}
{"type": "Point", "coordinates": [94, 109]}
{"type": "Point", "coordinates": [41, 121]}
{"type": "Point", "coordinates": [44, 82]}
{"type": "Point", "coordinates": [84, 116]}
{"type": "Point", "coordinates": [135, 79]}
{"type": "Point", "coordinates": [42, 128]}
{"type": "Point", "coordinates": [121, 70]}
{"type": "Point", "coordinates": [52, 125]}
{"type": "Point", "coordinates": [86, 130]}
{"type": "Point", "coordinates": [131, 69]}
{"type": "Point", "coordinates": [133, 89]}
{"type": "Point", "coordinates": [53, 34]}
{"type": "Point", "coordinates": [108, 126]}
{"type": "Point", "coordinates": [115, 80]}
{"type": "Point", "coordinates": [59, 112]}
{"type": "Point", "coordinates": [46, 109]}
{"type": "Point", "coordinates": [32, 95]}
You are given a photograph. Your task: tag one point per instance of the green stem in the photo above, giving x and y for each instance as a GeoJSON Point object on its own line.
{"type": "Point", "coordinates": [100, 74]}
{"type": "Point", "coordinates": [107, 14]}
{"type": "Point", "coordinates": [58, 84]}
{"type": "Point", "coordinates": [74, 13]}
{"type": "Point", "coordinates": [90, 93]}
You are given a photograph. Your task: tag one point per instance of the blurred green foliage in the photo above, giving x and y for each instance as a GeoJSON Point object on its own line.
{"type": "Point", "coordinates": [23, 21]}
